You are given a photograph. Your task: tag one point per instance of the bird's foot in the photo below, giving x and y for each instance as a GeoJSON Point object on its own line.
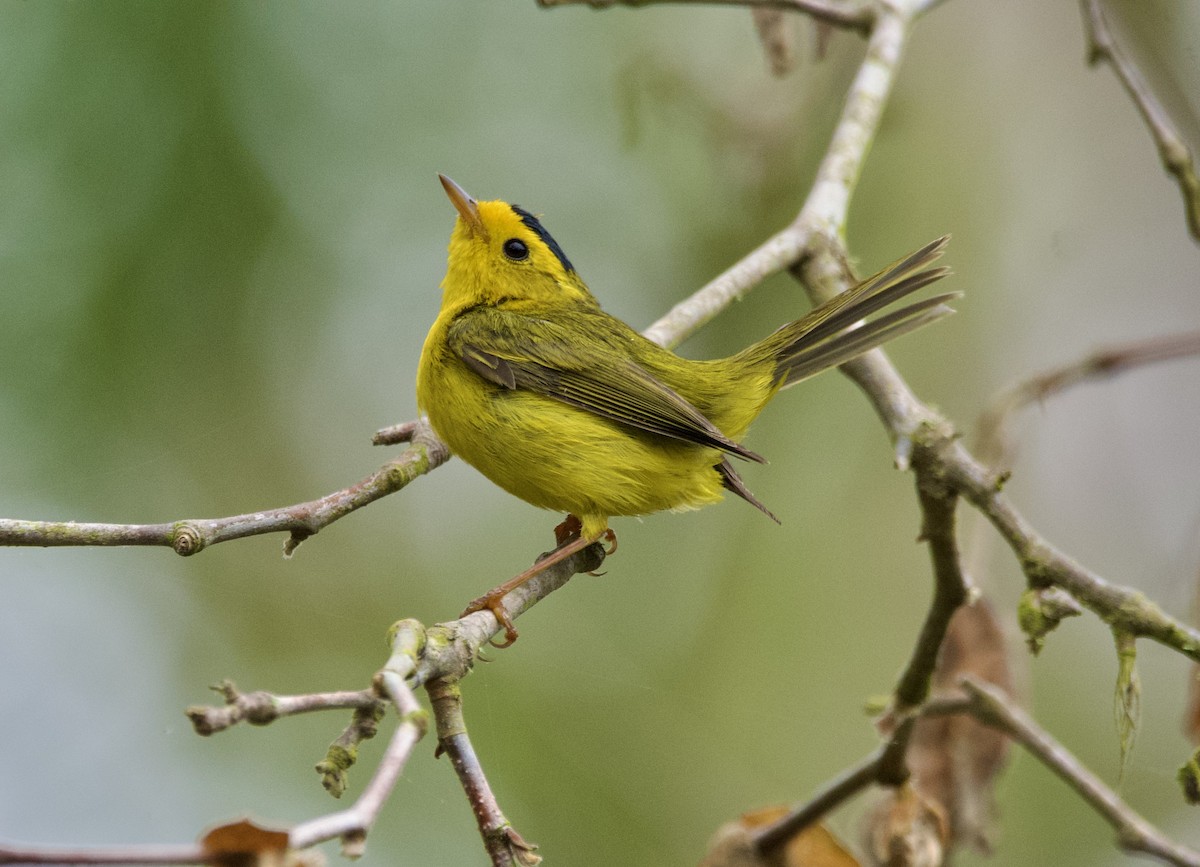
{"type": "Point", "coordinates": [493, 600]}
{"type": "Point", "coordinates": [610, 537]}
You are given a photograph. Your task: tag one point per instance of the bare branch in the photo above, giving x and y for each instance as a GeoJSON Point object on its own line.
{"type": "Point", "coordinates": [1044, 565]}
{"type": "Point", "coordinates": [353, 824]}
{"type": "Point", "coordinates": [451, 648]}
{"type": "Point", "coordinates": [261, 708]}
{"type": "Point", "coordinates": [916, 427]}
{"type": "Point", "coordinates": [397, 433]}
{"type": "Point", "coordinates": [839, 13]}
{"type": "Point", "coordinates": [825, 210]}
{"type": "Point", "coordinates": [951, 589]}
{"type": "Point", "coordinates": [504, 845]}
{"type": "Point", "coordinates": [439, 656]}
{"type": "Point", "coordinates": [1134, 834]}
{"type": "Point", "coordinates": [952, 760]}
{"type": "Point", "coordinates": [993, 445]}
{"type": "Point", "coordinates": [992, 707]}
{"type": "Point", "coordinates": [832, 795]}
{"type": "Point", "coordinates": [1172, 150]}
{"type": "Point", "coordinates": [300, 521]}
{"type": "Point", "coordinates": [184, 854]}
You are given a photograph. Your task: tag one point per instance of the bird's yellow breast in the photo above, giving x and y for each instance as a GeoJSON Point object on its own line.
{"type": "Point", "coordinates": [554, 455]}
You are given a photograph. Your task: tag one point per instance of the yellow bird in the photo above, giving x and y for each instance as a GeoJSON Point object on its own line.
{"type": "Point", "coordinates": [528, 380]}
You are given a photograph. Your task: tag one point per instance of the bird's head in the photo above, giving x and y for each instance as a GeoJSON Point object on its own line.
{"type": "Point", "coordinates": [501, 252]}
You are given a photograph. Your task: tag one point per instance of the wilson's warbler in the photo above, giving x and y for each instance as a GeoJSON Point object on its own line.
{"type": "Point", "coordinates": [568, 408]}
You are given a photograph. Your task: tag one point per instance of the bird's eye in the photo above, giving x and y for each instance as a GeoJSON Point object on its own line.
{"type": "Point", "coordinates": [515, 249]}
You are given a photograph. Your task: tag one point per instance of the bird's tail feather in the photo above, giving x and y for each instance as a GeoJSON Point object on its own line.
{"type": "Point", "coordinates": [825, 337]}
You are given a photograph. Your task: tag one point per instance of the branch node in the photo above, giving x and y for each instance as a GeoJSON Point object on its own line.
{"type": "Point", "coordinates": [259, 708]}
{"type": "Point", "coordinates": [228, 691]}
{"type": "Point", "coordinates": [419, 718]}
{"type": "Point", "coordinates": [354, 844]}
{"type": "Point", "coordinates": [338, 760]}
{"type": "Point", "coordinates": [187, 539]}
{"type": "Point", "coordinates": [293, 541]}
{"type": "Point", "coordinates": [395, 434]}
{"type": "Point", "coordinates": [522, 851]}
{"type": "Point", "coordinates": [202, 722]}
{"type": "Point", "coordinates": [1189, 778]}
{"type": "Point", "coordinates": [343, 751]}
{"type": "Point", "coordinates": [1040, 611]}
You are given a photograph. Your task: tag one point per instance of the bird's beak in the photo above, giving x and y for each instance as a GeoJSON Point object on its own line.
{"type": "Point", "coordinates": [467, 207]}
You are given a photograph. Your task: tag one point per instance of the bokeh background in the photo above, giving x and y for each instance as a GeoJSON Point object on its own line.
{"type": "Point", "coordinates": [221, 239]}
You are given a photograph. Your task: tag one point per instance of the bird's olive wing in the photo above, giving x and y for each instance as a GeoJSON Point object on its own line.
{"type": "Point", "coordinates": [588, 364]}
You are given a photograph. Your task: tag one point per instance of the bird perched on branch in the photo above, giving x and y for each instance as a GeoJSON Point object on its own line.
{"type": "Point", "coordinates": [528, 380]}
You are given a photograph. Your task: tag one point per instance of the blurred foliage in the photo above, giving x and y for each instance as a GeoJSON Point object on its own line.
{"type": "Point", "coordinates": [220, 243]}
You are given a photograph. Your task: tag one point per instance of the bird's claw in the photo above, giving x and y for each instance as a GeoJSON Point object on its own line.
{"type": "Point", "coordinates": [610, 536]}
{"type": "Point", "coordinates": [494, 603]}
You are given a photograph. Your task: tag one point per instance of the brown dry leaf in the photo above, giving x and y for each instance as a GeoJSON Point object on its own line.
{"type": "Point", "coordinates": [954, 760]}
{"type": "Point", "coordinates": [815, 846]}
{"type": "Point", "coordinates": [777, 33]}
{"type": "Point", "coordinates": [908, 830]}
{"type": "Point", "coordinates": [245, 843]}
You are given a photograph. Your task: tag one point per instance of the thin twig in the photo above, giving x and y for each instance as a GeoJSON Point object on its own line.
{"type": "Point", "coordinates": [909, 420]}
{"type": "Point", "coordinates": [825, 209]}
{"type": "Point", "coordinates": [993, 442]}
{"type": "Point", "coordinates": [1172, 150]}
{"type": "Point", "coordinates": [1045, 565]}
{"type": "Point", "coordinates": [839, 13]}
{"type": "Point", "coordinates": [190, 853]}
{"type": "Point", "coordinates": [189, 536]}
{"type": "Point", "coordinates": [950, 589]}
{"type": "Point", "coordinates": [443, 653]}
{"type": "Point", "coordinates": [504, 845]}
{"type": "Point", "coordinates": [915, 427]}
{"type": "Point", "coordinates": [397, 433]}
{"type": "Point", "coordinates": [261, 708]}
{"type": "Point", "coordinates": [833, 794]}
{"type": "Point", "coordinates": [342, 753]}
{"type": "Point", "coordinates": [827, 206]}
{"type": "Point", "coordinates": [452, 647]}
{"type": "Point", "coordinates": [1134, 834]}
{"type": "Point", "coordinates": [352, 825]}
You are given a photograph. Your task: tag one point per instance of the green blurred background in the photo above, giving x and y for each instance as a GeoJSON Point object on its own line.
{"type": "Point", "coordinates": [221, 238]}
